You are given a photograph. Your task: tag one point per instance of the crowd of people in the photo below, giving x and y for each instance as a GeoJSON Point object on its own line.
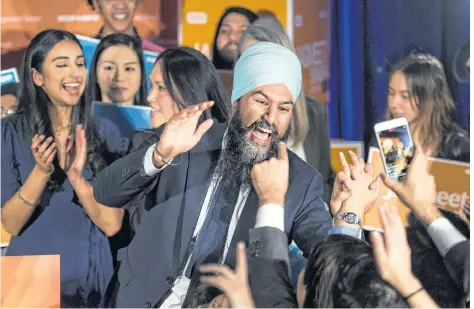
{"type": "Point", "coordinates": [201, 210]}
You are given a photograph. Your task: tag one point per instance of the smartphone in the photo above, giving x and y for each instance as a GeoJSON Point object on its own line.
{"type": "Point", "coordinates": [396, 146]}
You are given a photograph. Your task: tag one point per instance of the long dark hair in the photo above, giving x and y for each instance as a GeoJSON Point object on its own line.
{"type": "Point", "coordinates": [189, 75]}
{"type": "Point", "coordinates": [94, 93]}
{"type": "Point", "coordinates": [33, 105]}
{"type": "Point", "coordinates": [426, 81]}
{"type": "Point", "coordinates": [217, 60]}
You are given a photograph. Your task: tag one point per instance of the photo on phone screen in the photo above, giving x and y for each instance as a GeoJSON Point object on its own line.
{"type": "Point", "coordinates": [397, 151]}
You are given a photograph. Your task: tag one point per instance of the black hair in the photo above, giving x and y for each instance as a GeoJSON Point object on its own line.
{"type": "Point", "coordinates": [117, 39]}
{"type": "Point", "coordinates": [428, 264]}
{"type": "Point", "coordinates": [10, 89]}
{"type": "Point", "coordinates": [341, 273]}
{"type": "Point", "coordinates": [33, 104]}
{"type": "Point", "coordinates": [219, 62]}
{"type": "Point", "coordinates": [190, 78]}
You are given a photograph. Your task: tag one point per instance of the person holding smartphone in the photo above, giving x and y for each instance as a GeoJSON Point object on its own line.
{"type": "Point", "coordinates": [419, 91]}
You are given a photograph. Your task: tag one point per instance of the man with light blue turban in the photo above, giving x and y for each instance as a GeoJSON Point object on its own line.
{"type": "Point", "coordinates": [208, 184]}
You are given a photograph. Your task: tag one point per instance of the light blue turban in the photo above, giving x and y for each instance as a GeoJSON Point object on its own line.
{"type": "Point", "coordinates": [266, 63]}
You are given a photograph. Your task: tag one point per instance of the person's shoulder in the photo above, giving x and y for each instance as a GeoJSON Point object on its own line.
{"type": "Point", "coordinates": [299, 169]}
{"type": "Point", "coordinates": [12, 124]}
{"type": "Point", "coordinates": [104, 125]}
{"type": "Point", "coordinates": [458, 132]}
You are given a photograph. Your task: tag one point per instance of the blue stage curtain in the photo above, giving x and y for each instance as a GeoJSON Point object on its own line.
{"type": "Point", "coordinates": [367, 36]}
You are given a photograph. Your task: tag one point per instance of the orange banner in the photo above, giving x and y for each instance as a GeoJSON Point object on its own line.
{"type": "Point", "coordinates": [306, 22]}
{"type": "Point", "coordinates": [452, 184]}
{"type": "Point", "coordinates": [30, 281]}
{"type": "Point", "coordinates": [338, 146]}
{"type": "Point", "coordinates": [311, 39]}
{"type": "Point", "coordinates": [23, 19]}
{"type": "Point", "coordinates": [199, 19]}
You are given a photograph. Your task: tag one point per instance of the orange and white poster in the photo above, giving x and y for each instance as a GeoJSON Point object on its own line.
{"type": "Point", "coordinates": [306, 22]}
{"type": "Point", "coordinates": [199, 19]}
{"type": "Point", "coordinates": [155, 20]}
{"type": "Point", "coordinates": [30, 281]}
{"type": "Point", "coordinates": [452, 185]}
{"type": "Point", "coordinates": [338, 146]}
{"type": "Point", "coordinates": [311, 39]}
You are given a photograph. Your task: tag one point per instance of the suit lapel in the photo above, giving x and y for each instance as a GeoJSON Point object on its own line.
{"type": "Point", "coordinates": [246, 222]}
{"type": "Point", "coordinates": [202, 163]}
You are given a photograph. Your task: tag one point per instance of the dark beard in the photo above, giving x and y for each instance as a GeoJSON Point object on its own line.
{"type": "Point", "coordinates": [241, 153]}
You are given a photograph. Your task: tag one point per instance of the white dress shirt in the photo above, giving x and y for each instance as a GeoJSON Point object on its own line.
{"type": "Point", "coordinates": [445, 235]}
{"type": "Point", "coordinates": [268, 215]}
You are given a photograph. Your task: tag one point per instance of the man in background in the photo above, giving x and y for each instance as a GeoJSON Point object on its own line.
{"type": "Point", "coordinates": [117, 16]}
{"type": "Point", "coordinates": [233, 22]}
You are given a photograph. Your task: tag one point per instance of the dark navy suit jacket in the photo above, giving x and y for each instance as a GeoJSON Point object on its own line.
{"type": "Point", "coordinates": [173, 201]}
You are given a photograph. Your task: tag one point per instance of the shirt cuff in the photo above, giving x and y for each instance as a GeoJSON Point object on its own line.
{"type": "Point", "coordinates": [344, 230]}
{"type": "Point", "coordinates": [271, 215]}
{"type": "Point", "coordinates": [149, 167]}
{"type": "Point", "coordinates": [445, 235]}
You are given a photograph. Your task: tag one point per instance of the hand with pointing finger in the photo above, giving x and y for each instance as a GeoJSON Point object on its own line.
{"type": "Point", "coordinates": [270, 178]}
{"type": "Point", "coordinates": [182, 133]}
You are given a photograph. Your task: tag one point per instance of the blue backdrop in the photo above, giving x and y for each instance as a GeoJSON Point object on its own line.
{"type": "Point", "coordinates": [368, 35]}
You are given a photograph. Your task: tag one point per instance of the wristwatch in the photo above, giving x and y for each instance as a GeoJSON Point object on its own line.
{"type": "Point", "coordinates": [349, 217]}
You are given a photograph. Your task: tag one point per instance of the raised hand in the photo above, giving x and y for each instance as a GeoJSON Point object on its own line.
{"type": "Point", "coordinates": [44, 150]}
{"type": "Point", "coordinates": [354, 188]}
{"type": "Point", "coordinates": [234, 284]}
{"type": "Point", "coordinates": [181, 132]}
{"type": "Point", "coordinates": [418, 189]}
{"type": "Point", "coordinates": [73, 163]}
{"type": "Point", "coordinates": [270, 178]}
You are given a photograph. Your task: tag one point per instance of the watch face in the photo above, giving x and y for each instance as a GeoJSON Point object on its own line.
{"type": "Point", "coordinates": [351, 218]}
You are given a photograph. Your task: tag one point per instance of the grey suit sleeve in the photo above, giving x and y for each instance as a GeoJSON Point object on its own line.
{"type": "Point", "coordinates": [269, 272]}
{"type": "Point", "coordinates": [457, 262]}
{"type": "Point", "coordinates": [313, 220]}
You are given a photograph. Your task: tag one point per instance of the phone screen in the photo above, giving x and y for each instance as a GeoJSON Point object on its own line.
{"type": "Point", "coordinates": [397, 151]}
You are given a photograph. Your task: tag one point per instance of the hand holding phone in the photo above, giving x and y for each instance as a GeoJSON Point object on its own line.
{"type": "Point", "coordinates": [396, 146]}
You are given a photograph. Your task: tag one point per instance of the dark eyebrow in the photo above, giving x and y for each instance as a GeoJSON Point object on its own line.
{"type": "Point", "coordinates": [268, 99]}
{"type": "Point", "coordinates": [61, 58]}
{"type": "Point", "coordinates": [67, 58]}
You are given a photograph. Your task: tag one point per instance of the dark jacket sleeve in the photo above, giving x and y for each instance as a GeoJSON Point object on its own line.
{"type": "Point", "coordinates": [317, 143]}
{"type": "Point", "coordinates": [313, 220]}
{"type": "Point", "coordinates": [270, 280]}
{"type": "Point", "coordinates": [458, 265]}
{"type": "Point", "coordinates": [125, 179]}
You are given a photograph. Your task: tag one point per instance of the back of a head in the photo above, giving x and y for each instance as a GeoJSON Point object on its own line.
{"type": "Point", "coordinates": [341, 273]}
{"type": "Point", "coordinates": [428, 264]}
{"type": "Point", "coordinates": [266, 30]}
{"type": "Point", "coordinates": [191, 78]}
